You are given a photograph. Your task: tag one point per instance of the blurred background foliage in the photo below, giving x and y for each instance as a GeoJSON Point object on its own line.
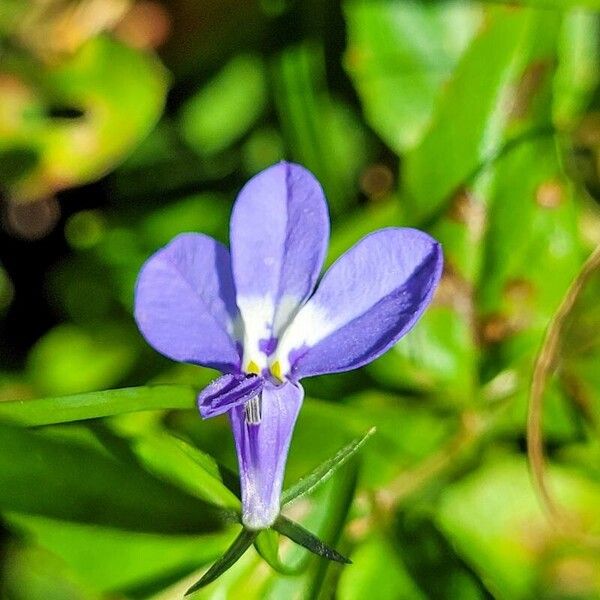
{"type": "Point", "coordinates": [124, 123]}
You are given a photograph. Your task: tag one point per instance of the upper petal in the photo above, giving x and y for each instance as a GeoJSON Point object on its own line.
{"type": "Point", "coordinates": [185, 302]}
{"type": "Point", "coordinates": [368, 299]}
{"type": "Point", "coordinates": [279, 236]}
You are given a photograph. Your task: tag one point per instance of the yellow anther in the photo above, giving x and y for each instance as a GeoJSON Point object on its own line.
{"type": "Point", "coordinates": [253, 368]}
{"type": "Point", "coordinates": [276, 370]}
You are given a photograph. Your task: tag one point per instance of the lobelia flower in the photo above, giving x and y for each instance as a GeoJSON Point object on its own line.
{"type": "Point", "coordinates": [253, 314]}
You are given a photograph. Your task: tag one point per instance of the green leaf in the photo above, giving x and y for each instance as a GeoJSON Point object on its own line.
{"type": "Point", "coordinates": [497, 93]}
{"type": "Point", "coordinates": [307, 540]}
{"type": "Point", "coordinates": [578, 72]}
{"type": "Point", "coordinates": [399, 55]}
{"type": "Point", "coordinates": [223, 111]}
{"type": "Point", "coordinates": [111, 560]}
{"type": "Point", "coordinates": [33, 573]}
{"type": "Point", "coordinates": [208, 213]}
{"type": "Point", "coordinates": [323, 472]}
{"type": "Point", "coordinates": [431, 560]}
{"type": "Point", "coordinates": [542, 254]}
{"type": "Point", "coordinates": [326, 573]}
{"type": "Point", "coordinates": [562, 5]}
{"type": "Point", "coordinates": [354, 225]}
{"type": "Point", "coordinates": [67, 480]}
{"type": "Point", "coordinates": [437, 357]}
{"type": "Point", "coordinates": [187, 467]}
{"type": "Point", "coordinates": [527, 269]}
{"type": "Point", "coordinates": [249, 578]}
{"type": "Point", "coordinates": [380, 569]}
{"type": "Point", "coordinates": [407, 432]}
{"type": "Point", "coordinates": [71, 359]}
{"type": "Point", "coordinates": [467, 176]}
{"type": "Point", "coordinates": [46, 411]}
{"type": "Point", "coordinates": [323, 134]}
{"type": "Point", "coordinates": [495, 522]}
{"type": "Point", "coordinates": [242, 542]}
{"type": "Point", "coordinates": [267, 545]}
{"type": "Point", "coordinates": [11, 14]}
{"type": "Point", "coordinates": [118, 110]}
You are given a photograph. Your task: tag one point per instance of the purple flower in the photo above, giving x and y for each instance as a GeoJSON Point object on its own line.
{"type": "Point", "coordinates": [255, 314]}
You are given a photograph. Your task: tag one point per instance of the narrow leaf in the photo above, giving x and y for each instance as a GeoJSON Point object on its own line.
{"type": "Point", "coordinates": [64, 409]}
{"type": "Point", "coordinates": [189, 468]}
{"type": "Point", "coordinates": [324, 471]}
{"type": "Point", "coordinates": [307, 540]}
{"type": "Point", "coordinates": [237, 549]}
{"type": "Point", "coordinates": [229, 479]}
{"type": "Point", "coordinates": [343, 490]}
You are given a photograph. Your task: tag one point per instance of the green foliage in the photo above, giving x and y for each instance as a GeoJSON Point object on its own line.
{"type": "Point", "coordinates": [116, 110]}
{"type": "Point", "coordinates": [493, 96]}
{"type": "Point", "coordinates": [109, 558]}
{"type": "Point", "coordinates": [517, 547]}
{"type": "Point", "coordinates": [409, 46]}
{"type": "Point", "coordinates": [477, 121]}
{"type": "Point", "coordinates": [142, 503]}
{"type": "Point", "coordinates": [237, 549]}
{"type": "Point", "coordinates": [226, 108]}
{"type": "Point", "coordinates": [79, 407]}
{"type": "Point", "coordinates": [313, 480]}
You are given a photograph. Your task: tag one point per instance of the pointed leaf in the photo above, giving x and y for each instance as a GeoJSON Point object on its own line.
{"type": "Point", "coordinates": [93, 405]}
{"type": "Point", "coordinates": [324, 471]}
{"type": "Point", "coordinates": [237, 549]}
{"type": "Point", "coordinates": [187, 467]}
{"type": "Point", "coordinates": [307, 540]}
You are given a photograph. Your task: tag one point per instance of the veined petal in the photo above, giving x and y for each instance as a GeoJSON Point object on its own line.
{"type": "Point", "coordinates": [279, 236]}
{"type": "Point", "coordinates": [262, 450]}
{"type": "Point", "coordinates": [185, 302]}
{"type": "Point", "coordinates": [369, 298]}
{"type": "Point", "coordinates": [226, 392]}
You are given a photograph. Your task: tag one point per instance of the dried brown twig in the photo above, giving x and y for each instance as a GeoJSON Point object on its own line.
{"type": "Point", "coordinates": [544, 367]}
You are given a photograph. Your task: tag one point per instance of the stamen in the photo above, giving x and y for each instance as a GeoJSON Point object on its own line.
{"type": "Point", "coordinates": [253, 410]}
{"type": "Point", "coordinates": [276, 370]}
{"type": "Point", "coordinates": [253, 368]}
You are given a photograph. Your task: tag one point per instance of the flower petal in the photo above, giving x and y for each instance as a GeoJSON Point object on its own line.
{"type": "Point", "coordinates": [229, 390]}
{"type": "Point", "coordinates": [279, 236]}
{"type": "Point", "coordinates": [262, 450]}
{"type": "Point", "coordinates": [369, 298]}
{"type": "Point", "coordinates": [185, 302]}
